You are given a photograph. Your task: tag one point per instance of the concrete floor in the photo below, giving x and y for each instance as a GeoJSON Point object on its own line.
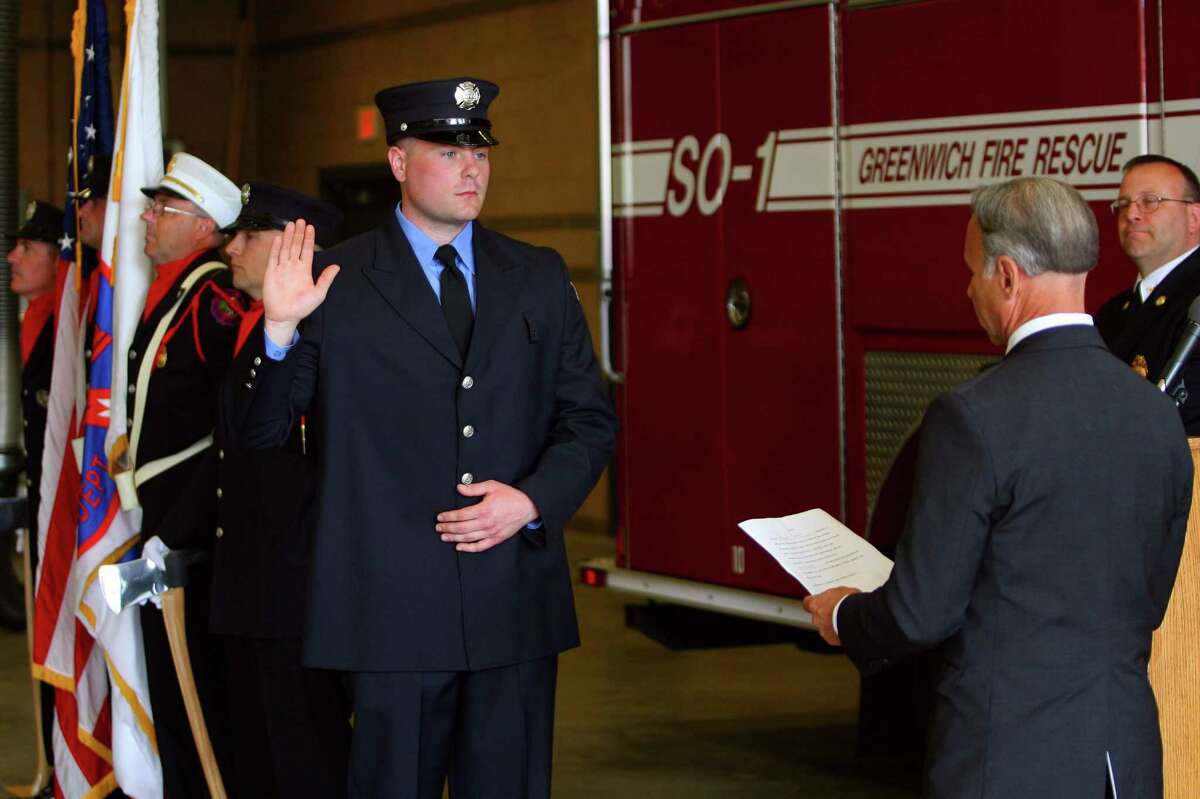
{"type": "Point", "coordinates": [638, 720]}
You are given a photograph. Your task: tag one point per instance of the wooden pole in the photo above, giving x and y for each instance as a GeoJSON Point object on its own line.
{"type": "Point", "coordinates": [173, 620]}
{"type": "Point", "coordinates": [41, 777]}
{"type": "Point", "coordinates": [1175, 664]}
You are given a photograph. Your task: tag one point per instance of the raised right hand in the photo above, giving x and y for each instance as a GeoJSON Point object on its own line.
{"type": "Point", "coordinates": [289, 292]}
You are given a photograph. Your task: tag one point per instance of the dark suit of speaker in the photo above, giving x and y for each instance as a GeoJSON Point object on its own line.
{"type": "Point", "coordinates": [1149, 331]}
{"type": "Point", "coordinates": [404, 420]}
{"type": "Point", "coordinates": [1051, 501]}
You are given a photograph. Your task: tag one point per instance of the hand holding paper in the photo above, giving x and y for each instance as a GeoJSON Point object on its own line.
{"type": "Point", "coordinates": [820, 551]}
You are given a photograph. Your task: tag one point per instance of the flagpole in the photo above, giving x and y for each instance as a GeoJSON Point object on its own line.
{"type": "Point", "coordinates": [41, 774]}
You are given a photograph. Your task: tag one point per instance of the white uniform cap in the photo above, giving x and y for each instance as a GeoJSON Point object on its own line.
{"type": "Point", "coordinates": [191, 179]}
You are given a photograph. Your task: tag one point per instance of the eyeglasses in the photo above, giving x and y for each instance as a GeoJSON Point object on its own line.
{"type": "Point", "coordinates": [1147, 203]}
{"type": "Point", "coordinates": [160, 207]}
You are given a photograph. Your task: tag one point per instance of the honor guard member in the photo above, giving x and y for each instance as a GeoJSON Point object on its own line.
{"type": "Point", "coordinates": [290, 724]}
{"type": "Point", "coordinates": [91, 201]}
{"type": "Point", "coordinates": [1158, 222]}
{"type": "Point", "coordinates": [34, 262]}
{"type": "Point", "coordinates": [91, 207]}
{"type": "Point", "coordinates": [465, 422]}
{"type": "Point", "coordinates": [177, 359]}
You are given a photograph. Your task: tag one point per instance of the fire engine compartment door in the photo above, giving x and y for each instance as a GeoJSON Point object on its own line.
{"type": "Point", "coordinates": [724, 171]}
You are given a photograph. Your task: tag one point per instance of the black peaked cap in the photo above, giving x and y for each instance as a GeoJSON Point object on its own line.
{"type": "Point", "coordinates": [448, 111]}
{"type": "Point", "coordinates": [266, 206]}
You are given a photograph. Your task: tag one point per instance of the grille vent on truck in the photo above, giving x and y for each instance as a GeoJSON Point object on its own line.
{"type": "Point", "coordinates": [900, 385]}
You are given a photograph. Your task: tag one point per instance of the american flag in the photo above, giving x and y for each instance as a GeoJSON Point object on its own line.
{"type": "Point", "coordinates": [102, 737]}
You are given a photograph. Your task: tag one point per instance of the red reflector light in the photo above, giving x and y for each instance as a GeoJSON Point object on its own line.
{"type": "Point", "coordinates": [593, 577]}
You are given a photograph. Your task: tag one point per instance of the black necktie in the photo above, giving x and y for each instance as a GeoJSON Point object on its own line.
{"type": "Point", "coordinates": [456, 301]}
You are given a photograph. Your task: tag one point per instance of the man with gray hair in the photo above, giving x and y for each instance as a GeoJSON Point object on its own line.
{"type": "Point", "coordinates": [1044, 533]}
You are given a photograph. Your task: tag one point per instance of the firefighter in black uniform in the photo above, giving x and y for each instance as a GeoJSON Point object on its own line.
{"type": "Point", "coordinates": [1158, 222]}
{"type": "Point", "coordinates": [34, 262]}
{"type": "Point", "coordinates": [290, 725]}
{"type": "Point", "coordinates": [177, 359]}
{"type": "Point", "coordinates": [91, 207]}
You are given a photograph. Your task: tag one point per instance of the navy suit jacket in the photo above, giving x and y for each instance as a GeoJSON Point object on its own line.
{"type": "Point", "coordinates": [1051, 499]}
{"type": "Point", "coordinates": [378, 365]}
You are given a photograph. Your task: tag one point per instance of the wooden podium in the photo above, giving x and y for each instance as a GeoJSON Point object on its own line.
{"type": "Point", "coordinates": [1175, 664]}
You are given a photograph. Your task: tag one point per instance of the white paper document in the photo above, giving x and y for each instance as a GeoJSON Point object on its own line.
{"type": "Point", "coordinates": [820, 551]}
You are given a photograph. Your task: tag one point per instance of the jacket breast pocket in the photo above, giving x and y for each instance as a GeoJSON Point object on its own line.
{"type": "Point", "coordinates": [532, 327]}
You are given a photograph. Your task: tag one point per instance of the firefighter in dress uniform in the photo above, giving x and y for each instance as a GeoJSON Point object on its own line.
{"type": "Point", "coordinates": [177, 359]}
{"type": "Point", "coordinates": [91, 207]}
{"type": "Point", "coordinates": [1158, 222]}
{"type": "Point", "coordinates": [290, 724]}
{"type": "Point", "coordinates": [34, 262]}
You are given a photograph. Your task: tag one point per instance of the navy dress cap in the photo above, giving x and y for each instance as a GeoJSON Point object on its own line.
{"type": "Point", "coordinates": [93, 183]}
{"type": "Point", "coordinates": [266, 206]}
{"type": "Point", "coordinates": [448, 111]}
{"type": "Point", "coordinates": [42, 222]}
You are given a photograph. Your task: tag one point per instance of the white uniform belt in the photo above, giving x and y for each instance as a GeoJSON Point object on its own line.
{"type": "Point", "coordinates": [128, 482]}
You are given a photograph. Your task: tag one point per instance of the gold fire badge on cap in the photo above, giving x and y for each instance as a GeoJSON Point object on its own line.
{"type": "Point", "coordinates": [30, 210]}
{"type": "Point", "coordinates": [1140, 366]}
{"type": "Point", "coordinates": [466, 94]}
{"type": "Point", "coordinates": [246, 194]}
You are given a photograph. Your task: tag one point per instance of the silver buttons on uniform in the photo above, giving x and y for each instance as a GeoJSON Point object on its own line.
{"type": "Point", "coordinates": [468, 381]}
{"type": "Point", "coordinates": [257, 360]}
{"type": "Point", "coordinates": [468, 431]}
{"type": "Point", "coordinates": [467, 478]}
{"type": "Point", "coordinates": [221, 454]}
{"type": "Point", "coordinates": [253, 373]}
{"type": "Point", "coordinates": [133, 355]}
{"type": "Point", "coordinates": [219, 492]}
{"type": "Point", "coordinates": [132, 388]}
{"type": "Point", "coordinates": [220, 532]}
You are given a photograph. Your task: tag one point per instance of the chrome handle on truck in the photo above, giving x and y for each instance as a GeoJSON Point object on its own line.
{"type": "Point", "coordinates": [606, 298]}
{"type": "Point", "coordinates": [606, 213]}
{"type": "Point", "coordinates": [737, 303]}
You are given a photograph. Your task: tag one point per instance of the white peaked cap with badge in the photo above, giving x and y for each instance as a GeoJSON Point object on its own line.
{"type": "Point", "coordinates": [193, 180]}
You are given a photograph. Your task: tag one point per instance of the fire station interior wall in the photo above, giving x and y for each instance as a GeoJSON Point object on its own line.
{"type": "Point", "coordinates": [314, 64]}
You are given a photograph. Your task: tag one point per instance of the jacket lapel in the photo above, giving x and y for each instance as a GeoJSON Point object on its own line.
{"type": "Point", "coordinates": [497, 284]}
{"type": "Point", "coordinates": [398, 277]}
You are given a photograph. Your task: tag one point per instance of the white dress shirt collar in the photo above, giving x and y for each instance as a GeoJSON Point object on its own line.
{"type": "Point", "coordinates": [1040, 323]}
{"type": "Point", "coordinates": [1149, 283]}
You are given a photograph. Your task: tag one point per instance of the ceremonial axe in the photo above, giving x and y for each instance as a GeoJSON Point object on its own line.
{"type": "Point", "coordinates": [135, 582]}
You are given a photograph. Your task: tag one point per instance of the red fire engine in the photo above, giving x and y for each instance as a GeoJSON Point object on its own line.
{"type": "Point", "coordinates": [786, 186]}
